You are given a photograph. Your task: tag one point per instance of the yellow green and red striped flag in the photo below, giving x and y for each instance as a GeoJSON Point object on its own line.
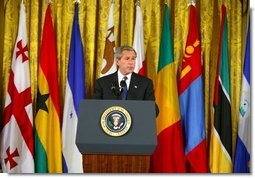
{"type": "Point", "coordinates": [169, 154]}
{"type": "Point", "coordinates": [47, 121]}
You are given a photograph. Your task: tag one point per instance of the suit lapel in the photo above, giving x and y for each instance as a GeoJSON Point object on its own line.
{"type": "Point", "coordinates": [114, 82]}
{"type": "Point", "coordinates": [132, 91]}
{"type": "Point", "coordinates": [114, 77]}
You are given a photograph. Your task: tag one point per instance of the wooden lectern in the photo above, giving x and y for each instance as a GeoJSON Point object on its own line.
{"type": "Point", "coordinates": [108, 163]}
{"type": "Point", "coordinates": [129, 153]}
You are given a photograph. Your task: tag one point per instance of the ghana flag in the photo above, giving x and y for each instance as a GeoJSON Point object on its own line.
{"type": "Point", "coordinates": [47, 121]}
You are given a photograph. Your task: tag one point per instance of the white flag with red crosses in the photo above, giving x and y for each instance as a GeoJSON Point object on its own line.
{"type": "Point", "coordinates": [17, 141]}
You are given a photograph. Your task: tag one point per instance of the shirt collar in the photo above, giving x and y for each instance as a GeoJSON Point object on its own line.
{"type": "Point", "coordinates": [120, 77]}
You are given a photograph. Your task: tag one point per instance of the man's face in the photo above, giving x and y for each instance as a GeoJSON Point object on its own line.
{"type": "Point", "coordinates": [127, 62]}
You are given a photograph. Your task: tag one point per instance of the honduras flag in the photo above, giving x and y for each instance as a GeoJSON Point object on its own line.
{"type": "Point", "coordinates": [75, 91]}
{"type": "Point", "coordinates": [243, 143]}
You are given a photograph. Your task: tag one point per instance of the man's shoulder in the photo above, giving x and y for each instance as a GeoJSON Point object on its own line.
{"type": "Point", "coordinates": [107, 77]}
{"type": "Point", "coordinates": [140, 77]}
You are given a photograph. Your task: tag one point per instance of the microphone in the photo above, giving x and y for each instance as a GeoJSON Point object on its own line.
{"type": "Point", "coordinates": [115, 88]}
{"type": "Point", "coordinates": [122, 84]}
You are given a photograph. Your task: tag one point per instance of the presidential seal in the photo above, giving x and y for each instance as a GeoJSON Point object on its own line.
{"type": "Point", "coordinates": [115, 121]}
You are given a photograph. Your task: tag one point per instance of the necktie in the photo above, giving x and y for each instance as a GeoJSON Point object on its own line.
{"type": "Point", "coordinates": [123, 86]}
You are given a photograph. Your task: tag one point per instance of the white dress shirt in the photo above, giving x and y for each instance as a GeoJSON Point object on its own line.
{"type": "Point", "coordinates": [121, 76]}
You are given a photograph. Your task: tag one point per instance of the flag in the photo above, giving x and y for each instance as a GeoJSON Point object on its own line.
{"type": "Point", "coordinates": [47, 120]}
{"type": "Point", "coordinates": [243, 143]}
{"type": "Point", "coordinates": [191, 97]}
{"type": "Point", "coordinates": [169, 153]}
{"type": "Point", "coordinates": [138, 44]}
{"type": "Point", "coordinates": [109, 65]}
{"type": "Point", "coordinates": [221, 134]}
{"type": "Point", "coordinates": [75, 91]}
{"type": "Point", "coordinates": [17, 141]}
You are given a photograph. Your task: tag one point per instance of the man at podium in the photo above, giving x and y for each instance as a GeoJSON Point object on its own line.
{"type": "Point", "coordinates": [108, 139]}
{"type": "Point", "coordinates": [124, 84]}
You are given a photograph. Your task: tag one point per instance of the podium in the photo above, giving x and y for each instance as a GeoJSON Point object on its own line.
{"type": "Point", "coordinates": [108, 149]}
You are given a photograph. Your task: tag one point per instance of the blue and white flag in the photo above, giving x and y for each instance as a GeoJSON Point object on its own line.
{"type": "Point", "coordinates": [243, 143]}
{"type": "Point", "coordinates": [75, 91]}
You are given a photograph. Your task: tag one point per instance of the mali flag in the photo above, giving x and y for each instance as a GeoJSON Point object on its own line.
{"type": "Point", "coordinates": [221, 135]}
{"type": "Point", "coordinates": [169, 154]}
{"type": "Point", "coordinates": [47, 121]}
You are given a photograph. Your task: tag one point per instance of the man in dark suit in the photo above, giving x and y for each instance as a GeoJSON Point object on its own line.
{"type": "Point", "coordinates": [124, 83]}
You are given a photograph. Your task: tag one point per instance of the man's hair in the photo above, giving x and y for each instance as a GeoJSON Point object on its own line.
{"type": "Point", "coordinates": [119, 50]}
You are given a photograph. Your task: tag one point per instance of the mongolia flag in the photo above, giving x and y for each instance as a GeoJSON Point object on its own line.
{"type": "Point", "coordinates": [47, 121]}
{"type": "Point", "coordinates": [221, 134]}
{"type": "Point", "coordinates": [169, 154]}
{"type": "Point", "coordinates": [75, 91]}
{"type": "Point", "coordinates": [191, 96]}
{"type": "Point", "coordinates": [109, 65]}
{"type": "Point", "coordinates": [243, 143]}
{"type": "Point", "coordinates": [17, 140]}
{"type": "Point", "coordinates": [138, 44]}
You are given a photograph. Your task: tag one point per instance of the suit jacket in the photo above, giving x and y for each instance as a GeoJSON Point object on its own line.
{"type": "Point", "coordinates": [140, 88]}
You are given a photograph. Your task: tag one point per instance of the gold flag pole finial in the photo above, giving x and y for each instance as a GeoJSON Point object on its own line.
{"type": "Point", "coordinates": [192, 2]}
{"type": "Point", "coordinates": [137, 3]}
{"type": "Point", "coordinates": [49, 1]}
{"type": "Point", "coordinates": [77, 1]}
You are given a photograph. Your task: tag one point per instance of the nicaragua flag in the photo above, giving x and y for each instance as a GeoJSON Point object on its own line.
{"type": "Point", "coordinates": [75, 91]}
{"type": "Point", "coordinates": [243, 143]}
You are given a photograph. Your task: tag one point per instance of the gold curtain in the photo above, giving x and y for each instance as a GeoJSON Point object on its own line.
{"type": "Point", "coordinates": [93, 17]}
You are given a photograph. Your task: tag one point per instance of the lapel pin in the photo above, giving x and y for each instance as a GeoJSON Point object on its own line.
{"type": "Point", "coordinates": [135, 86]}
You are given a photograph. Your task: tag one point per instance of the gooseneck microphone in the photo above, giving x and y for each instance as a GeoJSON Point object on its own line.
{"type": "Point", "coordinates": [122, 85]}
{"type": "Point", "coordinates": [115, 88]}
